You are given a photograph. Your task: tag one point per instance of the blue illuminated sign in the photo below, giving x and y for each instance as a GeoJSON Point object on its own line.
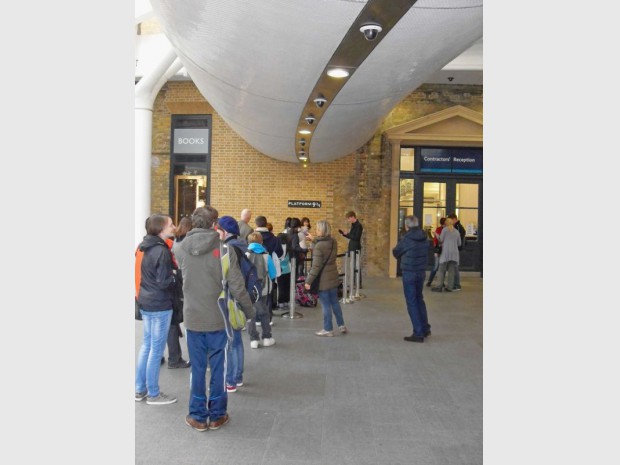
{"type": "Point", "coordinates": [451, 160]}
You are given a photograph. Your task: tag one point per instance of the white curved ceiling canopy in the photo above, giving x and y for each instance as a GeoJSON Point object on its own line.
{"type": "Point", "coordinates": [257, 62]}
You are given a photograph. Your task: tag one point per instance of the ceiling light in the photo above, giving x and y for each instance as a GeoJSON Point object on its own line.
{"type": "Point", "coordinates": [320, 101]}
{"type": "Point", "coordinates": [338, 73]}
{"type": "Point", "coordinates": [305, 131]}
{"type": "Point", "coordinates": [310, 119]}
{"type": "Point", "coordinates": [303, 157]}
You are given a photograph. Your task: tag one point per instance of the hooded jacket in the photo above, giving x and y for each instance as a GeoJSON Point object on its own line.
{"type": "Point", "coordinates": [412, 250]}
{"type": "Point", "coordinates": [321, 254]}
{"type": "Point", "coordinates": [156, 277]}
{"type": "Point", "coordinates": [199, 260]}
{"type": "Point", "coordinates": [270, 242]}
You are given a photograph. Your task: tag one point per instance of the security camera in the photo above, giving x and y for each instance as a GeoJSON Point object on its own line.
{"type": "Point", "coordinates": [451, 79]}
{"type": "Point", "coordinates": [310, 119]}
{"type": "Point", "coordinates": [302, 142]}
{"type": "Point", "coordinates": [371, 30]}
{"type": "Point", "coordinates": [320, 101]}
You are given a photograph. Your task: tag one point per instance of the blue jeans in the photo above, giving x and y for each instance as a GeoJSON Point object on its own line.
{"type": "Point", "coordinates": [234, 368]}
{"type": "Point", "coordinates": [413, 283]}
{"type": "Point", "coordinates": [207, 347]}
{"type": "Point", "coordinates": [329, 302]}
{"type": "Point", "coordinates": [435, 268]}
{"type": "Point", "coordinates": [154, 336]}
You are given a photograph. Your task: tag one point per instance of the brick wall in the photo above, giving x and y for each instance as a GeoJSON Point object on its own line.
{"type": "Point", "coordinates": [242, 177]}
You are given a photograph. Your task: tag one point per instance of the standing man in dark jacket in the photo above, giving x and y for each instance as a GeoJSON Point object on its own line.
{"type": "Point", "coordinates": [355, 237]}
{"type": "Point", "coordinates": [412, 250]}
{"type": "Point", "coordinates": [155, 300]}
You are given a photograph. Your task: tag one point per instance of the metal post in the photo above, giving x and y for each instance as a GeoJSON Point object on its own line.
{"type": "Point", "coordinates": [350, 277]}
{"type": "Point", "coordinates": [344, 279]}
{"type": "Point", "coordinates": [358, 274]}
{"type": "Point", "coordinates": [291, 305]}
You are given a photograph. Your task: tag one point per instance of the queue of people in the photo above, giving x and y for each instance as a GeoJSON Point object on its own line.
{"type": "Point", "coordinates": [206, 255]}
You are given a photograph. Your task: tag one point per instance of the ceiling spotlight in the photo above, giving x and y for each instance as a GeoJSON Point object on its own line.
{"type": "Point", "coordinates": [310, 119]}
{"type": "Point", "coordinates": [370, 30]}
{"type": "Point", "coordinates": [320, 101]}
{"type": "Point", "coordinates": [303, 157]}
{"type": "Point", "coordinates": [305, 131]}
{"type": "Point", "coordinates": [302, 142]}
{"type": "Point", "coordinates": [338, 73]}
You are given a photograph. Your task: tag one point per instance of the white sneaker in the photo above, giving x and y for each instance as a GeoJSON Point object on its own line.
{"type": "Point", "coordinates": [343, 329]}
{"type": "Point", "coordinates": [271, 322]}
{"type": "Point", "coordinates": [258, 323]}
{"type": "Point", "coordinates": [324, 333]}
{"type": "Point", "coordinates": [268, 342]}
{"type": "Point", "coordinates": [254, 344]}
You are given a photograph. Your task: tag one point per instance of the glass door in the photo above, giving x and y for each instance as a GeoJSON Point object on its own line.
{"type": "Point", "coordinates": [189, 194]}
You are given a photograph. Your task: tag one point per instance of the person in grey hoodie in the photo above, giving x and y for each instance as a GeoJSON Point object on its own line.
{"type": "Point", "coordinates": [412, 250]}
{"type": "Point", "coordinates": [198, 257]}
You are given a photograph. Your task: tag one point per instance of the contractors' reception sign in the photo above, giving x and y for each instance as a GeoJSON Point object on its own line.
{"type": "Point", "coordinates": [447, 160]}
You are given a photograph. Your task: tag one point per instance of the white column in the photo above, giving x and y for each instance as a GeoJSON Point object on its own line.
{"type": "Point", "coordinates": [145, 93]}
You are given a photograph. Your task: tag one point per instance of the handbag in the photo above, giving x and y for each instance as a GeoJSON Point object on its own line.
{"type": "Point", "coordinates": [314, 287]}
{"type": "Point", "coordinates": [228, 306]}
{"type": "Point", "coordinates": [138, 314]}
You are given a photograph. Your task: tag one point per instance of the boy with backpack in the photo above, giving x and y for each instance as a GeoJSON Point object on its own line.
{"type": "Point", "coordinates": [266, 271]}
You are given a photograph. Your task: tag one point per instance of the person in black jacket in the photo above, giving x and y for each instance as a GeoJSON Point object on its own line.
{"type": "Point", "coordinates": [459, 227]}
{"type": "Point", "coordinates": [155, 300]}
{"type": "Point", "coordinates": [412, 250]}
{"type": "Point", "coordinates": [355, 237]}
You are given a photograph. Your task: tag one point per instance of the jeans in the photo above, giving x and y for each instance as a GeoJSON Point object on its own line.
{"type": "Point", "coordinates": [261, 307]}
{"type": "Point", "coordinates": [234, 368]}
{"type": "Point", "coordinates": [329, 302]}
{"type": "Point", "coordinates": [457, 276]}
{"type": "Point", "coordinates": [451, 266]}
{"type": "Point", "coordinates": [207, 347]}
{"type": "Point", "coordinates": [434, 270]}
{"type": "Point", "coordinates": [154, 334]}
{"type": "Point", "coordinates": [174, 346]}
{"type": "Point", "coordinates": [413, 283]}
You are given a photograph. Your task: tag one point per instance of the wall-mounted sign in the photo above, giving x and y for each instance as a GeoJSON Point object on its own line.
{"type": "Point", "coordinates": [191, 141]}
{"type": "Point", "coordinates": [449, 160]}
{"type": "Point", "coordinates": [304, 204]}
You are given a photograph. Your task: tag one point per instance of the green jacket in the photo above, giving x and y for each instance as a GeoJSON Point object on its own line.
{"type": "Point", "coordinates": [321, 253]}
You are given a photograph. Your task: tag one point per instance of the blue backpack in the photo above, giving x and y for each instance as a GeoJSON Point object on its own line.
{"type": "Point", "coordinates": [253, 284]}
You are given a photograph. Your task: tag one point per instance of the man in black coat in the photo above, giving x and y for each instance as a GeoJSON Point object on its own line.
{"type": "Point", "coordinates": [412, 250]}
{"type": "Point", "coordinates": [355, 237]}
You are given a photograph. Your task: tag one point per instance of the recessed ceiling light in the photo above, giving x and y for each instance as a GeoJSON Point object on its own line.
{"type": "Point", "coordinates": [303, 157]}
{"type": "Point", "coordinates": [305, 131]}
{"type": "Point", "coordinates": [338, 73]}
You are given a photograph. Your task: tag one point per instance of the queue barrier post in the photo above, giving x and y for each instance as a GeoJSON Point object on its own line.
{"type": "Point", "coordinates": [292, 314]}
{"type": "Point", "coordinates": [358, 275]}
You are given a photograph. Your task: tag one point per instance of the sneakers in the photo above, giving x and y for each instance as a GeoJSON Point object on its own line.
{"type": "Point", "coordinates": [325, 333]}
{"type": "Point", "coordinates": [428, 333]}
{"type": "Point", "coordinates": [180, 364]}
{"type": "Point", "coordinates": [413, 338]}
{"type": "Point", "coordinates": [219, 422]}
{"type": "Point", "coordinates": [140, 396]}
{"type": "Point", "coordinates": [258, 323]}
{"type": "Point", "coordinates": [161, 399]}
{"type": "Point", "coordinates": [230, 388]}
{"type": "Point", "coordinates": [268, 342]}
{"type": "Point", "coordinates": [456, 289]}
{"type": "Point", "coordinates": [197, 425]}
{"type": "Point", "coordinates": [343, 329]}
{"type": "Point", "coordinates": [240, 383]}
{"type": "Point", "coordinates": [254, 344]}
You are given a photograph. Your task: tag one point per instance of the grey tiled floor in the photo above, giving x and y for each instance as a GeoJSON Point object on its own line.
{"type": "Point", "coordinates": [364, 398]}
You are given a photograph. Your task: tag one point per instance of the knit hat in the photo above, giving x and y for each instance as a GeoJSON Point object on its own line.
{"type": "Point", "coordinates": [229, 224]}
